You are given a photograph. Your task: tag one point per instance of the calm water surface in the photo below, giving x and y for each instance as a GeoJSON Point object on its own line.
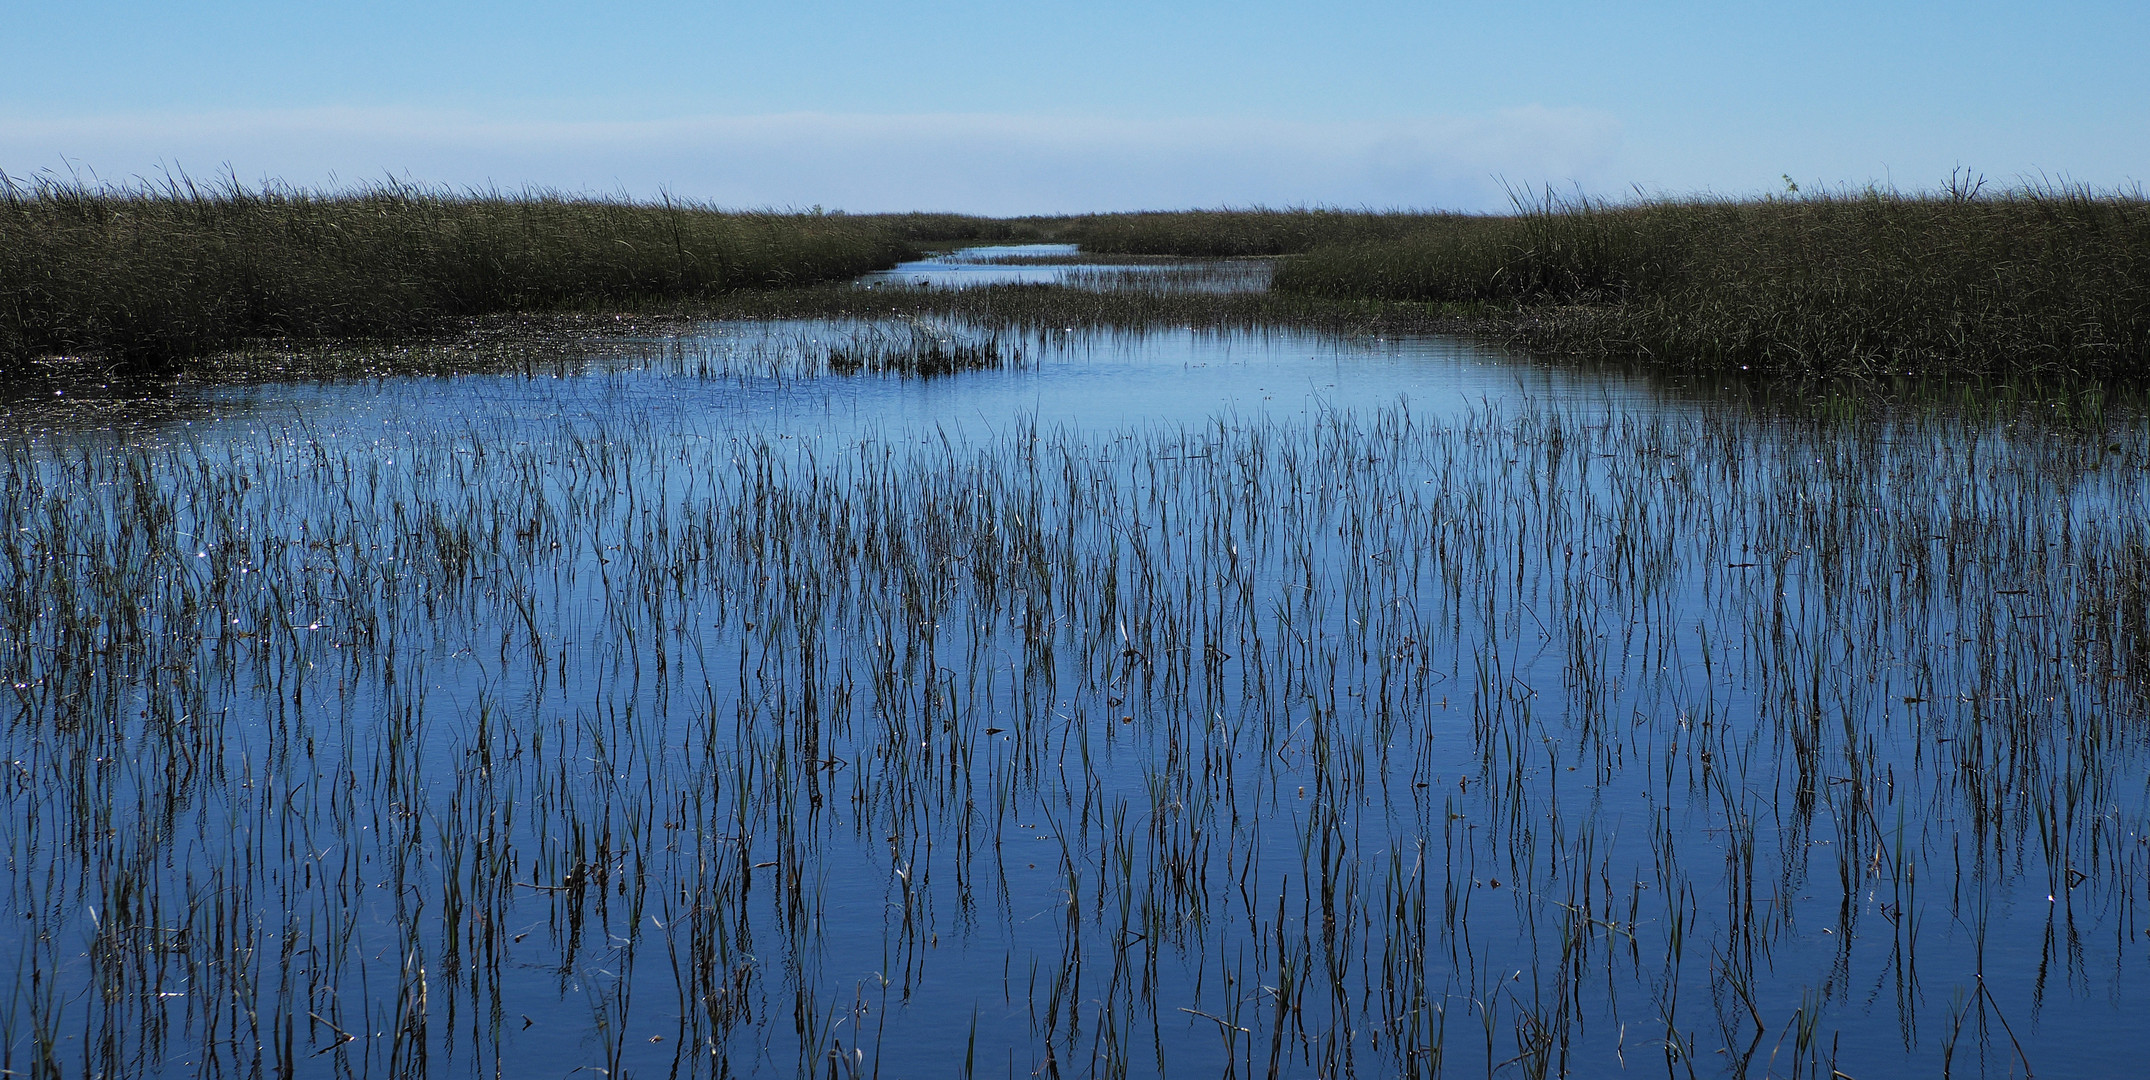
{"type": "Point", "coordinates": [1162, 704]}
{"type": "Point", "coordinates": [744, 379]}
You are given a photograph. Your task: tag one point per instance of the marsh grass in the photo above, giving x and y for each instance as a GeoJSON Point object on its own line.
{"type": "Point", "coordinates": [2044, 280]}
{"type": "Point", "coordinates": [1232, 276]}
{"type": "Point", "coordinates": [1250, 232]}
{"type": "Point", "coordinates": [153, 277]}
{"type": "Point", "coordinates": [2047, 281]}
{"type": "Point", "coordinates": [915, 348]}
{"type": "Point", "coordinates": [2040, 281]}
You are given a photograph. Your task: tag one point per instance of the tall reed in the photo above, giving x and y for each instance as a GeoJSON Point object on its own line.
{"type": "Point", "coordinates": [153, 276]}
{"type": "Point", "coordinates": [2047, 280]}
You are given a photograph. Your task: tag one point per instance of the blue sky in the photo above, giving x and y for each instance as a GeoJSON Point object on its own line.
{"type": "Point", "coordinates": [1015, 107]}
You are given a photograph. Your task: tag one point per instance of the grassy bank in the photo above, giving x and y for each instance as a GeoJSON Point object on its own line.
{"type": "Point", "coordinates": [2031, 282]}
{"type": "Point", "coordinates": [1239, 233]}
{"type": "Point", "coordinates": [2050, 282]}
{"type": "Point", "coordinates": [154, 277]}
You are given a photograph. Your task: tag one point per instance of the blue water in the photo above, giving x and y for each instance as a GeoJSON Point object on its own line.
{"type": "Point", "coordinates": [1102, 381]}
{"type": "Point", "coordinates": [973, 266]}
{"type": "Point", "coordinates": [1180, 703]}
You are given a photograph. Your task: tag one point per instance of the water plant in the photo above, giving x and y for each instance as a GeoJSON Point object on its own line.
{"type": "Point", "coordinates": [1541, 739]}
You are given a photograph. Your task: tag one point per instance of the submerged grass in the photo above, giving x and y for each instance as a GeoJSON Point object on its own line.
{"type": "Point", "coordinates": [1337, 744]}
{"type": "Point", "coordinates": [914, 348]}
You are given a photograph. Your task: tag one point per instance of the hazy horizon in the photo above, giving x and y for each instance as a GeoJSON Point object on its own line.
{"type": "Point", "coordinates": [1061, 108]}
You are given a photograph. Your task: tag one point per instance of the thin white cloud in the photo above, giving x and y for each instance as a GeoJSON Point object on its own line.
{"type": "Point", "coordinates": [993, 164]}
